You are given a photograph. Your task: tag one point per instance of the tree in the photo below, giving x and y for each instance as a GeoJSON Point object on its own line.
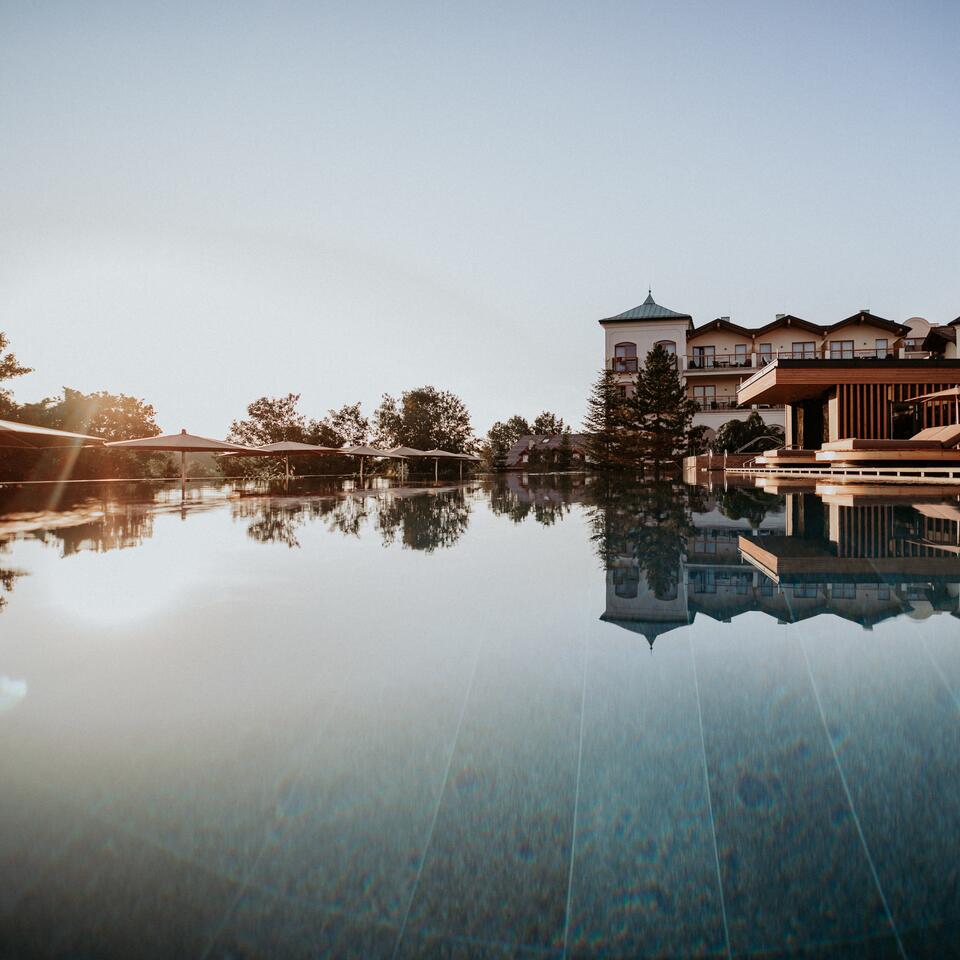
{"type": "Point", "coordinates": [10, 367]}
{"type": "Point", "coordinates": [424, 418]}
{"type": "Point", "coordinates": [547, 424]}
{"type": "Point", "coordinates": [348, 424]}
{"type": "Point", "coordinates": [737, 434]}
{"type": "Point", "coordinates": [662, 411]}
{"type": "Point", "coordinates": [270, 420]}
{"type": "Point", "coordinates": [605, 421]}
{"type": "Point", "coordinates": [501, 437]}
{"type": "Point", "coordinates": [110, 416]}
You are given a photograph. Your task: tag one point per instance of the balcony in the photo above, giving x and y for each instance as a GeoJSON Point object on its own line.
{"type": "Point", "coordinates": [704, 405]}
{"type": "Point", "coordinates": [707, 406]}
{"type": "Point", "coordinates": [624, 364]}
{"type": "Point", "coordinates": [714, 363]}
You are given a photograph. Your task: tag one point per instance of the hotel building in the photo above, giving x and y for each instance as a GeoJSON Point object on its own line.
{"type": "Point", "coordinates": [716, 357]}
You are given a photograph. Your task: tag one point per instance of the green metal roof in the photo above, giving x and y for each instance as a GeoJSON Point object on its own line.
{"type": "Point", "coordinates": [648, 310]}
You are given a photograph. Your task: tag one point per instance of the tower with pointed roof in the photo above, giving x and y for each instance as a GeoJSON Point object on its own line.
{"type": "Point", "coordinates": [631, 335]}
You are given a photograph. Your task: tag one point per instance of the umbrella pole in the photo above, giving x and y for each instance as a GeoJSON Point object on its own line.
{"type": "Point", "coordinates": [286, 468]}
{"type": "Point", "coordinates": [183, 474]}
{"type": "Point", "coordinates": [361, 471]}
{"type": "Point", "coordinates": [461, 471]}
{"type": "Point", "coordinates": [436, 469]}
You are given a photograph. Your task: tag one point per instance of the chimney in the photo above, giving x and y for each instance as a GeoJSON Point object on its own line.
{"type": "Point", "coordinates": [725, 318]}
{"type": "Point", "coordinates": [780, 316]}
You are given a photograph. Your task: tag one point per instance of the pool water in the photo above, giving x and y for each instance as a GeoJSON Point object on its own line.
{"type": "Point", "coordinates": [533, 717]}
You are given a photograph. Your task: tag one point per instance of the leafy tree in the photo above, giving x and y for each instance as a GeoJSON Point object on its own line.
{"type": "Point", "coordinates": [605, 422]}
{"type": "Point", "coordinates": [424, 418]}
{"type": "Point", "coordinates": [347, 425]}
{"type": "Point", "coordinates": [270, 420]}
{"type": "Point", "coordinates": [547, 424]}
{"type": "Point", "coordinates": [501, 437]}
{"type": "Point", "coordinates": [737, 434]}
{"type": "Point", "coordinates": [10, 367]}
{"type": "Point", "coordinates": [110, 416]}
{"type": "Point", "coordinates": [662, 411]}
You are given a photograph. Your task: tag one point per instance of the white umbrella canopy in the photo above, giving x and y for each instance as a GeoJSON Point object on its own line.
{"type": "Point", "coordinates": [365, 451]}
{"type": "Point", "coordinates": [286, 448]}
{"type": "Point", "coordinates": [182, 443]}
{"type": "Point", "coordinates": [26, 436]}
{"type": "Point", "coordinates": [407, 452]}
{"type": "Point", "coordinates": [295, 446]}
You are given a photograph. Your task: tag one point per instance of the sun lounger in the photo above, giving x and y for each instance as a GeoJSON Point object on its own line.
{"type": "Point", "coordinates": [931, 439]}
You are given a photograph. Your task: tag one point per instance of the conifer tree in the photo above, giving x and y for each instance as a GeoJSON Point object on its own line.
{"type": "Point", "coordinates": [605, 421]}
{"type": "Point", "coordinates": [661, 411]}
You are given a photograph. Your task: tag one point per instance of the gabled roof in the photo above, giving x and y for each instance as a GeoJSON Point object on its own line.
{"type": "Point", "coordinates": [866, 317]}
{"type": "Point", "coordinates": [530, 442]}
{"type": "Point", "coordinates": [954, 323]}
{"type": "Point", "coordinates": [648, 310]}
{"type": "Point", "coordinates": [789, 320]}
{"type": "Point", "coordinates": [721, 323]}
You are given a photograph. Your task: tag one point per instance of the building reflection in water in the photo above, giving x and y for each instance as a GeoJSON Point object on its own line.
{"type": "Point", "coordinates": [859, 553]}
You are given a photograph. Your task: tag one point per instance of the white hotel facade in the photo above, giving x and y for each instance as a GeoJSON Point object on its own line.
{"type": "Point", "coordinates": [717, 356]}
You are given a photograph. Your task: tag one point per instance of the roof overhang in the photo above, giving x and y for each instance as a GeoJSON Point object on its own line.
{"type": "Point", "coordinates": [791, 381]}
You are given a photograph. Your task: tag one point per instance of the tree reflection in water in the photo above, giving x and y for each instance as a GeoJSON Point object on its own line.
{"type": "Point", "coordinates": [419, 520]}
{"type": "Point", "coordinates": [648, 524]}
{"type": "Point", "coordinates": [424, 522]}
{"type": "Point", "coordinates": [546, 499]}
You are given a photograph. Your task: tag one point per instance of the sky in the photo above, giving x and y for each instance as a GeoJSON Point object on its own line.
{"type": "Point", "coordinates": [202, 204]}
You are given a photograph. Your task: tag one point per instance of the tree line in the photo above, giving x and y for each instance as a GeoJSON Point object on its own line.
{"type": "Point", "coordinates": [424, 417]}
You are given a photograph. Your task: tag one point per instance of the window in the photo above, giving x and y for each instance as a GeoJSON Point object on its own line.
{"type": "Point", "coordinates": [705, 395]}
{"type": "Point", "coordinates": [622, 392]}
{"type": "Point", "coordinates": [766, 353]}
{"type": "Point", "coordinates": [703, 581]}
{"type": "Point", "coordinates": [767, 588]}
{"type": "Point", "coordinates": [841, 349]}
{"type": "Point", "coordinates": [703, 357]}
{"type": "Point", "coordinates": [625, 358]}
{"type": "Point", "coordinates": [626, 582]}
{"type": "Point", "coordinates": [883, 591]}
{"type": "Point", "coordinates": [740, 355]}
{"type": "Point", "coordinates": [881, 345]}
{"type": "Point", "coordinates": [805, 590]}
{"type": "Point", "coordinates": [844, 591]}
{"type": "Point", "coordinates": [668, 345]}
{"type": "Point", "coordinates": [804, 350]}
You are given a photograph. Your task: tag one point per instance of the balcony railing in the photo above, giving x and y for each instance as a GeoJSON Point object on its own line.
{"type": "Point", "coordinates": [624, 365]}
{"type": "Point", "coordinates": [708, 405]}
{"type": "Point", "coordinates": [718, 404]}
{"type": "Point", "coordinates": [700, 362]}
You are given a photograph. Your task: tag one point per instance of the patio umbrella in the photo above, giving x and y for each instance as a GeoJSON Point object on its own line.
{"type": "Point", "coordinates": [942, 395]}
{"type": "Point", "coordinates": [406, 452]}
{"type": "Point", "coordinates": [285, 448]}
{"type": "Point", "coordinates": [444, 455]}
{"type": "Point", "coordinates": [27, 436]}
{"type": "Point", "coordinates": [363, 452]}
{"type": "Point", "coordinates": [182, 443]}
{"type": "Point", "coordinates": [472, 457]}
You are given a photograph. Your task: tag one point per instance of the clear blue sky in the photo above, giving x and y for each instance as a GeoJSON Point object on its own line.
{"type": "Point", "coordinates": [203, 203]}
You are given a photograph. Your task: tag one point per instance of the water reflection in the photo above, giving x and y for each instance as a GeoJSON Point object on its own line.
{"type": "Point", "coordinates": [424, 519]}
{"type": "Point", "coordinates": [671, 554]}
{"type": "Point", "coordinates": [389, 722]}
